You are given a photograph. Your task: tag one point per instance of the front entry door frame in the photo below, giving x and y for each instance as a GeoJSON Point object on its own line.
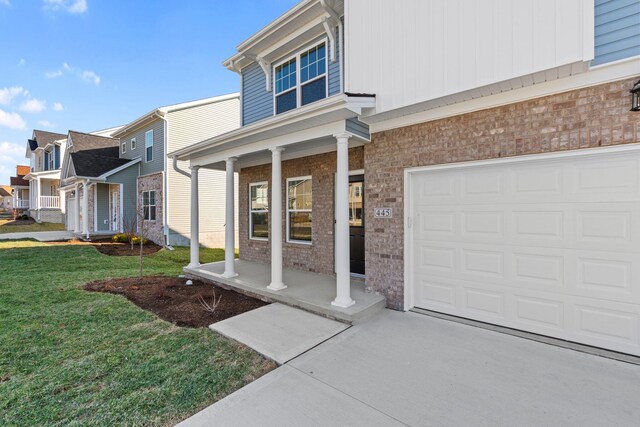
{"type": "Point", "coordinates": [351, 173]}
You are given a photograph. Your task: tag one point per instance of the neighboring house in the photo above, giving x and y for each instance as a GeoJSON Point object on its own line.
{"type": "Point", "coordinates": [6, 199]}
{"type": "Point", "coordinates": [100, 186]}
{"type": "Point", "coordinates": [20, 190]}
{"type": "Point", "coordinates": [492, 142]}
{"type": "Point", "coordinates": [161, 190]}
{"type": "Point", "coordinates": [45, 151]}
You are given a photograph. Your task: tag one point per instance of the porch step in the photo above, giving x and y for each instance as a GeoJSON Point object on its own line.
{"type": "Point", "coordinates": [305, 290]}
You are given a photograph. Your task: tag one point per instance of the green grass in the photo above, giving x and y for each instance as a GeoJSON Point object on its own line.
{"type": "Point", "coordinates": [44, 226]}
{"type": "Point", "coordinates": [71, 357]}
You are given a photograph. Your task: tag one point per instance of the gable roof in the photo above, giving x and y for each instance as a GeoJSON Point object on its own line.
{"type": "Point", "coordinates": [19, 181]}
{"type": "Point", "coordinates": [42, 138]}
{"type": "Point", "coordinates": [93, 155]}
{"type": "Point", "coordinates": [22, 170]}
{"type": "Point", "coordinates": [5, 191]}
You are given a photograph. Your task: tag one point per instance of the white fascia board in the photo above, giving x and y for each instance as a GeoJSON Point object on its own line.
{"type": "Point", "coordinates": [199, 102]}
{"type": "Point", "coordinates": [601, 74]}
{"type": "Point", "coordinates": [120, 168]}
{"type": "Point", "coordinates": [139, 122]}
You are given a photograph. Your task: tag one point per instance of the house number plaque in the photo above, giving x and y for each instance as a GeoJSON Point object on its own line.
{"type": "Point", "coordinates": [383, 213]}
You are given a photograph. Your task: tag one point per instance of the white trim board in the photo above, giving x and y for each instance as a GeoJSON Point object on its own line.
{"type": "Point", "coordinates": [605, 73]}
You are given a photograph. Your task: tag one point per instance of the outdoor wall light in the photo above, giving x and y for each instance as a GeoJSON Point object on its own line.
{"type": "Point", "coordinates": [635, 97]}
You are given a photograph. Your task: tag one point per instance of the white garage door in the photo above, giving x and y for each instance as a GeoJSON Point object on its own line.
{"type": "Point", "coordinates": [544, 244]}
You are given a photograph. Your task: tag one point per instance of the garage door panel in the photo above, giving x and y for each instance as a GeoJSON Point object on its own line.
{"type": "Point", "coordinates": [549, 247]}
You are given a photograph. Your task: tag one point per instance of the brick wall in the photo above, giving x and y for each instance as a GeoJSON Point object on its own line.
{"type": "Point", "coordinates": [590, 117]}
{"type": "Point", "coordinates": [153, 230]}
{"type": "Point", "coordinates": [317, 257]}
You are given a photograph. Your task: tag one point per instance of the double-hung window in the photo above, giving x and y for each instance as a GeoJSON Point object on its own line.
{"type": "Point", "coordinates": [124, 148]}
{"type": "Point", "coordinates": [133, 144]}
{"type": "Point", "coordinates": [149, 205]}
{"type": "Point", "coordinates": [50, 158]}
{"type": "Point", "coordinates": [148, 145]}
{"type": "Point", "coordinates": [259, 211]}
{"type": "Point", "coordinates": [299, 214]}
{"type": "Point", "coordinates": [302, 79]}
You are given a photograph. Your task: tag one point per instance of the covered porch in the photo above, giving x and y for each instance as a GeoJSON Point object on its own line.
{"type": "Point", "coordinates": [309, 291]}
{"type": "Point", "coordinates": [284, 226]}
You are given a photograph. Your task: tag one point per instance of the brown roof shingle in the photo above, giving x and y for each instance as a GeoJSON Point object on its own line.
{"type": "Point", "coordinates": [43, 138]}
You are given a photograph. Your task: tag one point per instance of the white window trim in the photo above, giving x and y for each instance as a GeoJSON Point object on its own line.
{"type": "Point", "coordinates": [251, 211]}
{"type": "Point", "coordinates": [298, 86]}
{"type": "Point", "coordinates": [146, 159]}
{"type": "Point", "coordinates": [154, 205]}
{"type": "Point", "coordinates": [123, 148]}
{"type": "Point", "coordinates": [52, 159]}
{"type": "Point", "coordinates": [133, 144]}
{"type": "Point", "coordinates": [287, 210]}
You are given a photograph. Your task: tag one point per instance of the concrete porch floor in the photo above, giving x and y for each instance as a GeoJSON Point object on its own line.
{"type": "Point", "coordinates": [309, 291]}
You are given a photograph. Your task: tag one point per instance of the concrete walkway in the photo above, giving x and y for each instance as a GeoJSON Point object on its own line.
{"type": "Point", "coordinates": [279, 332]}
{"type": "Point", "coordinates": [41, 236]}
{"type": "Point", "coordinates": [412, 369]}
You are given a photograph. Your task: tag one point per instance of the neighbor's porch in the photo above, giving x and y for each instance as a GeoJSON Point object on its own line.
{"type": "Point", "coordinates": [309, 291]}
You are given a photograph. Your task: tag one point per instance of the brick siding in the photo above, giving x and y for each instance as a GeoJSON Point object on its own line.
{"type": "Point", "coordinates": [153, 230]}
{"type": "Point", "coordinates": [590, 117]}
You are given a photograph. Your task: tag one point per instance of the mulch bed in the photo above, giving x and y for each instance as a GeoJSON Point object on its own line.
{"type": "Point", "coordinates": [173, 301]}
{"type": "Point", "coordinates": [19, 222]}
{"type": "Point", "coordinates": [124, 249]}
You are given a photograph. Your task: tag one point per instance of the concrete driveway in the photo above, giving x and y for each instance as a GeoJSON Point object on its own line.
{"type": "Point", "coordinates": [412, 369]}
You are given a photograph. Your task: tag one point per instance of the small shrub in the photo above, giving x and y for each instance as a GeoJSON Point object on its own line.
{"type": "Point", "coordinates": [136, 240]}
{"type": "Point", "coordinates": [121, 238]}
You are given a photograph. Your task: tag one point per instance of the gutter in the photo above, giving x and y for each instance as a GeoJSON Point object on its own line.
{"type": "Point", "coordinates": [177, 169]}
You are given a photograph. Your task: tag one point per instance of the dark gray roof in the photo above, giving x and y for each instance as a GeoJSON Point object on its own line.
{"type": "Point", "coordinates": [41, 138]}
{"type": "Point", "coordinates": [94, 155]}
{"type": "Point", "coordinates": [17, 181]}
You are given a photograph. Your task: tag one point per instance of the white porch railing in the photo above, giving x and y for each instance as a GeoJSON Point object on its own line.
{"type": "Point", "coordinates": [49, 202]}
{"type": "Point", "coordinates": [22, 204]}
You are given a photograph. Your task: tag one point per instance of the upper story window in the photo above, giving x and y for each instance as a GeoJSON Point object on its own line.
{"type": "Point", "coordinates": [133, 144]}
{"type": "Point", "coordinates": [302, 79]}
{"type": "Point", "coordinates": [124, 148]}
{"type": "Point", "coordinates": [51, 159]}
{"type": "Point", "coordinates": [148, 145]}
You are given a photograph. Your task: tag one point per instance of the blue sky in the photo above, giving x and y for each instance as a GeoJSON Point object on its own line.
{"type": "Point", "coordinates": [92, 64]}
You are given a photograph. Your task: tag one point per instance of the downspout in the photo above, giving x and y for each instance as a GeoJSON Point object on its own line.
{"type": "Point", "coordinates": [177, 169]}
{"type": "Point", "coordinates": [165, 192]}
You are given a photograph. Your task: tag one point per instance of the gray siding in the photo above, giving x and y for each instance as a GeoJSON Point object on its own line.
{"type": "Point", "coordinates": [102, 207]}
{"type": "Point", "coordinates": [617, 30]}
{"type": "Point", "coordinates": [356, 127]}
{"type": "Point", "coordinates": [129, 180]}
{"type": "Point", "coordinates": [257, 103]}
{"type": "Point", "coordinates": [157, 164]}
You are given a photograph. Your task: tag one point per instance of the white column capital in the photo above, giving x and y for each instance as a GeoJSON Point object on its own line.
{"type": "Point", "coordinates": [231, 160]}
{"type": "Point", "coordinates": [275, 150]}
{"type": "Point", "coordinates": [343, 136]}
{"type": "Point", "coordinates": [194, 168]}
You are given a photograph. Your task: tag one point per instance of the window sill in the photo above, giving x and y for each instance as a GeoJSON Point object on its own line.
{"type": "Point", "coordinates": [259, 239]}
{"type": "Point", "coordinates": [299, 242]}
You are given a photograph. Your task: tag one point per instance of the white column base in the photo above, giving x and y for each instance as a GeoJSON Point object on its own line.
{"type": "Point", "coordinates": [342, 303]}
{"type": "Point", "coordinates": [194, 265]}
{"type": "Point", "coordinates": [276, 286]}
{"type": "Point", "coordinates": [229, 275]}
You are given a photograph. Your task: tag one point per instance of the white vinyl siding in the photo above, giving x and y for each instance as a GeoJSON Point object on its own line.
{"type": "Point", "coordinates": [186, 127]}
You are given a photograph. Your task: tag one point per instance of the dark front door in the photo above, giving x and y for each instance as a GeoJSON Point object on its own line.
{"type": "Point", "coordinates": [356, 223]}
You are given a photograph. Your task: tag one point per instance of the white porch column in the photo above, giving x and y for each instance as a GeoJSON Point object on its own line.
{"type": "Point", "coordinates": [229, 229]}
{"type": "Point", "coordinates": [276, 220]}
{"type": "Point", "coordinates": [343, 276]}
{"type": "Point", "coordinates": [194, 261]}
{"type": "Point", "coordinates": [85, 209]}
{"type": "Point", "coordinates": [76, 214]}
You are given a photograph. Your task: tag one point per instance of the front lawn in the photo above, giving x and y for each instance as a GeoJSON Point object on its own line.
{"type": "Point", "coordinates": [10, 226]}
{"type": "Point", "coordinates": [71, 357]}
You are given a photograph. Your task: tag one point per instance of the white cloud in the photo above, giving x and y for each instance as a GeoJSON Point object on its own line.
{"type": "Point", "coordinates": [5, 2]}
{"type": "Point", "coordinates": [8, 93]}
{"type": "Point", "coordinates": [11, 154]}
{"type": "Point", "coordinates": [86, 75]}
{"type": "Point", "coordinates": [12, 120]}
{"type": "Point", "coordinates": [53, 74]}
{"type": "Point", "coordinates": [22, 62]}
{"type": "Point", "coordinates": [33, 106]}
{"type": "Point", "coordinates": [57, 106]}
{"type": "Point", "coordinates": [71, 6]}
{"type": "Point", "coordinates": [90, 77]}
{"type": "Point", "coordinates": [46, 124]}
